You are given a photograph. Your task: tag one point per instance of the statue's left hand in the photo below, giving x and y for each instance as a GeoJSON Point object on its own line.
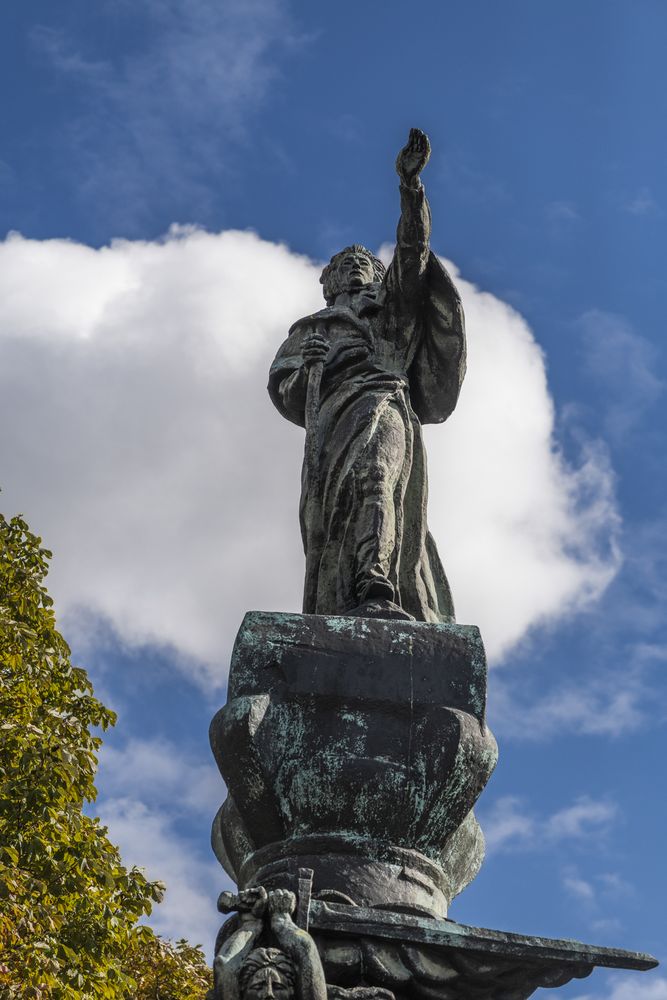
{"type": "Point", "coordinates": [413, 157]}
{"type": "Point", "coordinates": [314, 348]}
{"type": "Point", "coordinates": [281, 903]}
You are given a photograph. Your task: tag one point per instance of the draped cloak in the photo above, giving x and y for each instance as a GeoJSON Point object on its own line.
{"type": "Point", "coordinates": [398, 344]}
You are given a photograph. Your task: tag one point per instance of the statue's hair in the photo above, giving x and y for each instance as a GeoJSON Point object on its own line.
{"type": "Point", "coordinates": [329, 276]}
{"type": "Point", "coordinates": [265, 958]}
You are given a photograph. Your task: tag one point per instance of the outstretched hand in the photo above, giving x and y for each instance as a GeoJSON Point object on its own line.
{"type": "Point", "coordinates": [413, 157]}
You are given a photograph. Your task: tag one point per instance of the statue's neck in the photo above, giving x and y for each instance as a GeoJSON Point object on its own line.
{"type": "Point", "coordinates": [350, 297]}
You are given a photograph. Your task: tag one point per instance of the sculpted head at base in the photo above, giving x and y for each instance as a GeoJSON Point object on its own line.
{"type": "Point", "coordinates": [267, 974]}
{"type": "Point", "coordinates": [349, 269]}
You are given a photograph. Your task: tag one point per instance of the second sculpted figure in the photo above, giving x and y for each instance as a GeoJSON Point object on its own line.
{"type": "Point", "coordinates": [386, 355]}
{"type": "Point", "coordinates": [245, 971]}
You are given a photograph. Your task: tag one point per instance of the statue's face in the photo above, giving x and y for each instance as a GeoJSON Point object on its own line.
{"type": "Point", "coordinates": [354, 270]}
{"type": "Point", "coordinates": [268, 984]}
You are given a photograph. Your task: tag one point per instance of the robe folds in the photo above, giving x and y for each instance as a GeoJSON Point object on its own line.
{"type": "Point", "coordinates": [396, 361]}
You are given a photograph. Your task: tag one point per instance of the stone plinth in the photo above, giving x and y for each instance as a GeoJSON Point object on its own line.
{"type": "Point", "coordinates": [356, 748]}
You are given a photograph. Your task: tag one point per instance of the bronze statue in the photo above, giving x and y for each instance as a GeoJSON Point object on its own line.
{"type": "Point", "coordinates": [386, 355]}
{"type": "Point", "coordinates": [354, 749]}
{"type": "Point", "coordinates": [245, 971]}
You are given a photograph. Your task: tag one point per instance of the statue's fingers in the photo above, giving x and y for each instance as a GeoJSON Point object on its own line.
{"type": "Point", "coordinates": [227, 902]}
{"type": "Point", "coordinates": [421, 138]}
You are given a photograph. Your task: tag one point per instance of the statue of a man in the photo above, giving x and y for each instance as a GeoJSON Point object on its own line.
{"type": "Point", "coordinates": [386, 355]}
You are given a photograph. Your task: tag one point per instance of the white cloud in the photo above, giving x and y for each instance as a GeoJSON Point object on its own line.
{"type": "Point", "coordinates": [579, 888]}
{"type": "Point", "coordinates": [503, 497]}
{"type": "Point", "coordinates": [147, 838]}
{"type": "Point", "coordinates": [144, 448]}
{"type": "Point", "coordinates": [159, 774]}
{"type": "Point", "coordinates": [643, 204]}
{"type": "Point", "coordinates": [625, 650]}
{"type": "Point", "coordinates": [615, 885]}
{"type": "Point", "coordinates": [507, 824]}
{"type": "Point", "coordinates": [510, 825]}
{"type": "Point", "coordinates": [607, 926]}
{"type": "Point", "coordinates": [623, 363]}
{"type": "Point", "coordinates": [636, 987]}
{"type": "Point", "coordinates": [607, 887]}
{"type": "Point", "coordinates": [149, 793]}
{"type": "Point", "coordinates": [580, 819]}
{"type": "Point", "coordinates": [608, 705]}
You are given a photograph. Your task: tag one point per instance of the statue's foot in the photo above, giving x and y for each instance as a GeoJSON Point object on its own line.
{"type": "Point", "coordinates": [374, 586]}
{"type": "Point", "coordinates": [377, 594]}
{"type": "Point", "coordinates": [380, 608]}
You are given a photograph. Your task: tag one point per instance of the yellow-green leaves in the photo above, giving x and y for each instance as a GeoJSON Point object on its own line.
{"type": "Point", "coordinates": [68, 906]}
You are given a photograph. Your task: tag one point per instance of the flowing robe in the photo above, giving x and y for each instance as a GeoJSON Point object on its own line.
{"type": "Point", "coordinates": [397, 360]}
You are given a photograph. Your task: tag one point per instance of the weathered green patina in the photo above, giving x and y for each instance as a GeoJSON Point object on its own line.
{"type": "Point", "coordinates": [355, 747]}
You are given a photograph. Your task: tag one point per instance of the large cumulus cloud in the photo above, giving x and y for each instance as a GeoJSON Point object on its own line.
{"type": "Point", "coordinates": [140, 442]}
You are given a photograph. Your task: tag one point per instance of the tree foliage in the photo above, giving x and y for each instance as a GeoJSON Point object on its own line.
{"type": "Point", "coordinates": [165, 970]}
{"type": "Point", "coordinates": [68, 906]}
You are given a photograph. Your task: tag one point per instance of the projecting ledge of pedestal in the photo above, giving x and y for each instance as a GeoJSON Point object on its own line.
{"type": "Point", "coordinates": [428, 959]}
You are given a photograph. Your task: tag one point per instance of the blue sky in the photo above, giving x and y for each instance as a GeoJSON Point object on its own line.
{"type": "Point", "coordinates": [144, 450]}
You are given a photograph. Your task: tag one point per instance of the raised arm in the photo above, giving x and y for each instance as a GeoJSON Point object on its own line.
{"type": "Point", "coordinates": [298, 945]}
{"type": "Point", "coordinates": [414, 226]}
{"type": "Point", "coordinates": [251, 904]}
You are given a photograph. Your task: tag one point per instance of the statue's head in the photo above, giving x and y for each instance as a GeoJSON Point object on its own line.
{"type": "Point", "coordinates": [351, 268]}
{"type": "Point", "coordinates": [267, 974]}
